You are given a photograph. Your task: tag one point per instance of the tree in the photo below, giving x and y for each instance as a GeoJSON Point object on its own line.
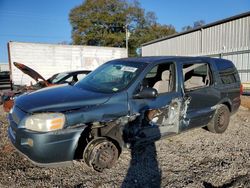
{"type": "Point", "coordinates": [147, 34]}
{"type": "Point", "coordinates": [104, 22]}
{"type": "Point", "coordinates": [187, 28]}
{"type": "Point", "coordinates": [199, 23]}
{"type": "Point", "coordinates": [99, 23]}
{"type": "Point", "coordinates": [196, 24]}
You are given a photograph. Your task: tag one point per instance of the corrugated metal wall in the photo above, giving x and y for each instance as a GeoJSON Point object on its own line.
{"type": "Point", "coordinates": [229, 40]}
{"type": "Point", "coordinates": [181, 45]}
{"type": "Point", "coordinates": [227, 37]}
{"type": "Point", "coordinates": [242, 62]}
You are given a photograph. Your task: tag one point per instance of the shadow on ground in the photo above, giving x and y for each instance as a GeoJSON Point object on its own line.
{"type": "Point", "coordinates": [143, 170]}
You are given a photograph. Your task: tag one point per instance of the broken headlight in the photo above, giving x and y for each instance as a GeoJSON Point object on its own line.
{"type": "Point", "coordinates": [45, 122]}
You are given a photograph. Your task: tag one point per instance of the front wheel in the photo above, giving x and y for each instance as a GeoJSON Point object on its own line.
{"type": "Point", "coordinates": [220, 121]}
{"type": "Point", "coordinates": [100, 153]}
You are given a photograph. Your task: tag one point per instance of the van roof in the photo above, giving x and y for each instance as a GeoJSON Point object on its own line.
{"type": "Point", "coordinates": [154, 59]}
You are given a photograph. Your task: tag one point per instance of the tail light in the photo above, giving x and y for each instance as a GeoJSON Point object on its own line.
{"type": "Point", "coordinates": [241, 89]}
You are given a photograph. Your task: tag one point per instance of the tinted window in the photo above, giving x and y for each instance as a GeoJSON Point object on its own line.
{"type": "Point", "coordinates": [227, 71]}
{"type": "Point", "coordinates": [228, 78]}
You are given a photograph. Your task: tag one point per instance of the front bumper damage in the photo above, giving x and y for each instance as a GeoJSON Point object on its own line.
{"type": "Point", "coordinates": [45, 149]}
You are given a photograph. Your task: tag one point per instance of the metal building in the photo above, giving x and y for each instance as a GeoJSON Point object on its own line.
{"type": "Point", "coordinates": [228, 38]}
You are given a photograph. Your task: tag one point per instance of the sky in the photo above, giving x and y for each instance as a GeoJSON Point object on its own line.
{"type": "Point", "coordinates": [46, 21]}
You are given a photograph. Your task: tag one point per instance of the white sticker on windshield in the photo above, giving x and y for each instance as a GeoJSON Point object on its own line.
{"type": "Point", "coordinates": [128, 69]}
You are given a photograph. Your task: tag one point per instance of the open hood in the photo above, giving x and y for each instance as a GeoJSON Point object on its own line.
{"type": "Point", "coordinates": [29, 71]}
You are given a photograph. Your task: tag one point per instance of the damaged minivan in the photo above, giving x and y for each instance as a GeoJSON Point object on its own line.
{"type": "Point", "coordinates": [122, 104]}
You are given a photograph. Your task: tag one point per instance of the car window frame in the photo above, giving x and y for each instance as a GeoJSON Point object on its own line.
{"type": "Point", "coordinates": [211, 75]}
{"type": "Point", "coordinates": [149, 68]}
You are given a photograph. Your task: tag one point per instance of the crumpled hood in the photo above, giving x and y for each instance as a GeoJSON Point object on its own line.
{"type": "Point", "coordinates": [59, 98]}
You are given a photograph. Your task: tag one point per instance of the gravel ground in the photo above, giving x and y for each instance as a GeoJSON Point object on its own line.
{"type": "Point", "coordinates": [196, 158]}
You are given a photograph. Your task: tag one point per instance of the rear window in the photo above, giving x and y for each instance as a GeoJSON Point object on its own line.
{"type": "Point", "coordinates": [227, 71]}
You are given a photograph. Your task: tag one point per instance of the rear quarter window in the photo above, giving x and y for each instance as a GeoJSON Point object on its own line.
{"type": "Point", "coordinates": [228, 78]}
{"type": "Point", "coordinates": [227, 71]}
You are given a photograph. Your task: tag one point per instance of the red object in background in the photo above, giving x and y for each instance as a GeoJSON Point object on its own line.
{"type": "Point", "coordinates": [241, 89]}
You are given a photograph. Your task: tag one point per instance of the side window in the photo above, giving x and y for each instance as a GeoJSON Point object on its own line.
{"type": "Point", "coordinates": [227, 78]}
{"type": "Point", "coordinates": [153, 72]}
{"type": "Point", "coordinates": [69, 79]}
{"type": "Point", "coordinates": [196, 76]}
{"type": "Point", "coordinates": [161, 77]}
{"type": "Point", "coordinates": [227, 71]}
{"type": "Point", "coordinates": [81, 76]}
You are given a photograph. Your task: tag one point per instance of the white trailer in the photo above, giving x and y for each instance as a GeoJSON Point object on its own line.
{"type": "Point", "coordinates": [4, 67]}
{"type": "Point", "coordinates": [49, 59]}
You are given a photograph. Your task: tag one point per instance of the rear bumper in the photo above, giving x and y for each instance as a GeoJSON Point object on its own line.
{"type": "Point", "coordinates": [45, 149]}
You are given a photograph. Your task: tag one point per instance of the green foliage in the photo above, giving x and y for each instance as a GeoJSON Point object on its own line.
{"type": "Point", "coordinates": [103, 23]}
{"type": "Point", "coordinates": [147, 34]}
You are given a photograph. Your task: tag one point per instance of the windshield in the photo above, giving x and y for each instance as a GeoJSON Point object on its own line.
{"type": "Point", "coordinates": [111, 77]}
{"type": "Point", "coordinates": [58, 77]}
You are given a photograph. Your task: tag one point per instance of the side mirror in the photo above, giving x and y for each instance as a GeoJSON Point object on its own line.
{"type": "Point", "coordinates": [146, 93]}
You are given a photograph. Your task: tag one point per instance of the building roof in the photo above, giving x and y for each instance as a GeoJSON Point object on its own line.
{"type": "Point", "coordinates": [199, 28]}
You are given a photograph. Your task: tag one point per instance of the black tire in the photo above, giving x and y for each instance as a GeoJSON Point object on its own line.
{"type": "Point", "coordinates": [220, 121]}
{"type": "Point", "coordinates": [100, 154]}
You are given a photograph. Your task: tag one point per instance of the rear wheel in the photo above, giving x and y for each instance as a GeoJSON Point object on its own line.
{"type": "Point", "coordinates": [220, 121]}
{"type": "Point", "coordinates": [100, 153]}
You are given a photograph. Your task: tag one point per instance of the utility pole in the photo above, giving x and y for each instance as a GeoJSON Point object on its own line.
{"type": "Point", "coordinates": [127, 37]}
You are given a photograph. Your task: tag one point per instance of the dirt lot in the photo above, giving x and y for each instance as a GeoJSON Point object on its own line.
{"type": "Point", "coordinates": [245, 101]}
{"type": "Point", "coordinates": [193, 159]}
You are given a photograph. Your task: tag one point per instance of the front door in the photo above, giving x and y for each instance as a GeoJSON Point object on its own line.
{"type": "Point", "coordinates": [159, 116]}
